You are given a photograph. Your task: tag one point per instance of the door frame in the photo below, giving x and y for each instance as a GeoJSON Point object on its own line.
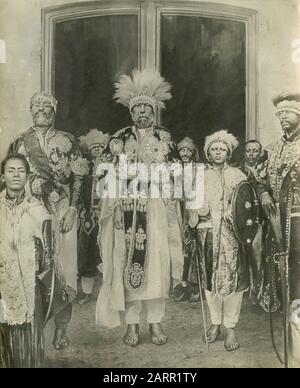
{"type": "Point", "coordinates": [149, 14]}
{"type": "Point", "coordinates": [73, 11]}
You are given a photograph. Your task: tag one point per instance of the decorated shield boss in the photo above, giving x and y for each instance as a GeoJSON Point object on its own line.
{"type": "Point", "coordinates": [245, 212]}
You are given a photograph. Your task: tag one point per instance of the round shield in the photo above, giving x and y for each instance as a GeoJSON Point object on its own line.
{"type": "Point", "coordinates": [245, 212]}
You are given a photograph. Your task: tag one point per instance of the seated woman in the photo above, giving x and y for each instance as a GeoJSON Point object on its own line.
{"type": "Point", "coordinates": [224, 268]}
{"type": "Point", "coordinates": [25, 257]}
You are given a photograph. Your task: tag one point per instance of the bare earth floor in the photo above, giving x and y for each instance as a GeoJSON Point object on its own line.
{"type": "Point", "coordinates": [95, 347]}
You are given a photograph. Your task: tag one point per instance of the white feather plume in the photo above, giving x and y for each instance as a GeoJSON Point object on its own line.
{"type": "Point", "coordinates": [143, 85]}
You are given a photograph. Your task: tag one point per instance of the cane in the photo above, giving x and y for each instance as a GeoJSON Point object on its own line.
{"type": "Point", "coordinates": [202, 240]}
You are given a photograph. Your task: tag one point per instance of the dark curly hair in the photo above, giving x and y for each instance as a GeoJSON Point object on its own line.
{"type": "Point", "coordinates": [15, 156]}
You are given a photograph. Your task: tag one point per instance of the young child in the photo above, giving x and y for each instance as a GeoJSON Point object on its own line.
{"type": "Point", "coordinates": [224, 269]}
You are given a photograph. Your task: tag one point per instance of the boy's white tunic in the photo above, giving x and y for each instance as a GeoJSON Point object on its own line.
{"type": "Point", "coordinates": [21, 224]}
{"type": "Point", "coordinates": [164, 255]}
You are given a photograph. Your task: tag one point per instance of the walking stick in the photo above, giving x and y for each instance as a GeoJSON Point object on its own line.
{"type": "Point", "coordinates": [200, 286]}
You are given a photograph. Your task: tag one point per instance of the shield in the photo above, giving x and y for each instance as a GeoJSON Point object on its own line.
{"type": "Point", "coordinates": [245, 212]}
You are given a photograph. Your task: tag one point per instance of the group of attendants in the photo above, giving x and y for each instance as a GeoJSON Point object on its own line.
{"type": "Point", "coordinates": [55, 231]}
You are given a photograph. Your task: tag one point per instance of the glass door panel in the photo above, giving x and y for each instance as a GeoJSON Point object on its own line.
{"type": "Point", "coordinates": [90, 53]}
{"type": "Point", "coordinates": [205, 61]}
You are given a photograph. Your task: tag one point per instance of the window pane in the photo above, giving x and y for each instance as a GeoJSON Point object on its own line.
{"type": "Point", "coordinates": [90, 54]}
{"type": "Point", "coordinates": [204, 59]}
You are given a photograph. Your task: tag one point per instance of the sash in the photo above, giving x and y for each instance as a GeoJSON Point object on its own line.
{"type": "Point", "coordinates": [135, 223]}
{"type": "Point", "coordinates": [36, 156]}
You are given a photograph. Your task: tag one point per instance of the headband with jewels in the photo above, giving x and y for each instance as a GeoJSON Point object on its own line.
{"type": "Point", "coordinates": [142, 87]}
{"type": "Point", "coordinates": [46, 96]}
{"type": "Point", "coordinates": [287, 102]}
{"type": "Point", "coordinates": [222, 136]}
{"type": "Point", "coordinates": [93, 138]}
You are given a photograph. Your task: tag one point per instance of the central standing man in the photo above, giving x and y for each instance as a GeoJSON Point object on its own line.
{"type": "Point", "coordinates": [140, 238]}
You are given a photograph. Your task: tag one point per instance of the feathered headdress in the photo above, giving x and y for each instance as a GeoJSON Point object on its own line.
{"type": "Point", "coordinates": [223, 137]}
{"type": "Point", "coordinates": [93, 138]}
{"type": "Point", "coordinates": [143, 86]}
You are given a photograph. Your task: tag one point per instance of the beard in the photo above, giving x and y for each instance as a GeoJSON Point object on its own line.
{"type": "Point", "coordinates": [143, 122]}
{"type": "Point", "coordinates": [41, 119]}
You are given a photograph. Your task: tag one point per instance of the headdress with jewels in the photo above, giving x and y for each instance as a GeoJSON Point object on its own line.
{"type": "Point", "coordinates": [142, 87]}
{"type": "Point", "coordinates": [93, 138]}
{"type": "Point", "coordinates": [287, 101]}
{"type": "Point", "coordinates": [47, 96]}
{"type": "Point", "coordinates": [224, 137]}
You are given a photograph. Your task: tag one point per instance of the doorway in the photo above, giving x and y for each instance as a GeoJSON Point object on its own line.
{"type": "Point", "coordinates": [206, 51]}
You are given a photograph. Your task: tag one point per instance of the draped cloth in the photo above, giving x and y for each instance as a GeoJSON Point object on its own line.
{"type": "Point", "coordinates": [282, 180]}
{"type": "Point", "coordinates": [223, 264]}
{"type": "Point", "coordinates": [20, 261]}
{"type": "Point", "coordinates": [57, 171]}
{"type": "Point", "coordinates": [155, 244]}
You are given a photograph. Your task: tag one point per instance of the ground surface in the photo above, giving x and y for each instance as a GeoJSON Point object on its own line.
{"type": "Point", "coordinates": [96, 347]}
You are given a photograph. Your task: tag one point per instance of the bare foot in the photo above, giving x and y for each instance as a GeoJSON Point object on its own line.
{"type": "Point", "coordinates": [60, 340]}
{"type": "Point", "coordinates": [158, 336]}
{"type": "Point", "coordinates": [85, 299]}
{"type": "Point", "coordinates": [132, 337]}
{"type": "Point", "coordinates": [231, 343]}
{"type": "Point", "coordinates": [212, 334]}
{"type": "Point", "coordinates": [195, 297]}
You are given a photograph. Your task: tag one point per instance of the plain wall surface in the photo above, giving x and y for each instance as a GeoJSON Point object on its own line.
{"type": "Point", "coordinates": [20, 76]}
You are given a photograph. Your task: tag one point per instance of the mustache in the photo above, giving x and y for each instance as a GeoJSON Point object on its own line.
{"type": "Point", "coordinates": [40, 114]}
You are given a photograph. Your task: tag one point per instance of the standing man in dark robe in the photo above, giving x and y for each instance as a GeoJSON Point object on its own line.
{"type": "Point", "coordinates": [92, 145]}
{"type": "Point", "coordinates": [57, 171]}
{"type": "Point", "coordinates": [281, 198]}
{"type": "Point", "coordinates": [254, 155]}
{"type": "Point", "coordinates": [188, 289]}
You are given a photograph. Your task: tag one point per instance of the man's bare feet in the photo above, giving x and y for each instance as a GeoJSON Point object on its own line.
{"type": "Point", "coordinates": [85, 299]}
{"type": "Point", "coordinates": [158, 336]}
{"type": "Point", "coordinates": [132, 337]}
{"type": "Point", "coordinates": [60, 340]}
{"type": "Point", "coordinates": [231, 343]}
{"type": "Point", "coordinates": [212, 334]}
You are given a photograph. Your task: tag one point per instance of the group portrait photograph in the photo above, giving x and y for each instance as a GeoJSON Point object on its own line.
{"type": "Point", "coordinates": [150, 185]}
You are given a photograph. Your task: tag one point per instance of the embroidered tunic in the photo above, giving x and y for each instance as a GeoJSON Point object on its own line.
{"type": "Point", "coordinates": [223, 265]}
{"type": "Point", "coordinates": [139, 261]}
{"type": "Point", "coordinates": [282, 174]}
{"type": "Point", "coordinates": [57, 170]}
